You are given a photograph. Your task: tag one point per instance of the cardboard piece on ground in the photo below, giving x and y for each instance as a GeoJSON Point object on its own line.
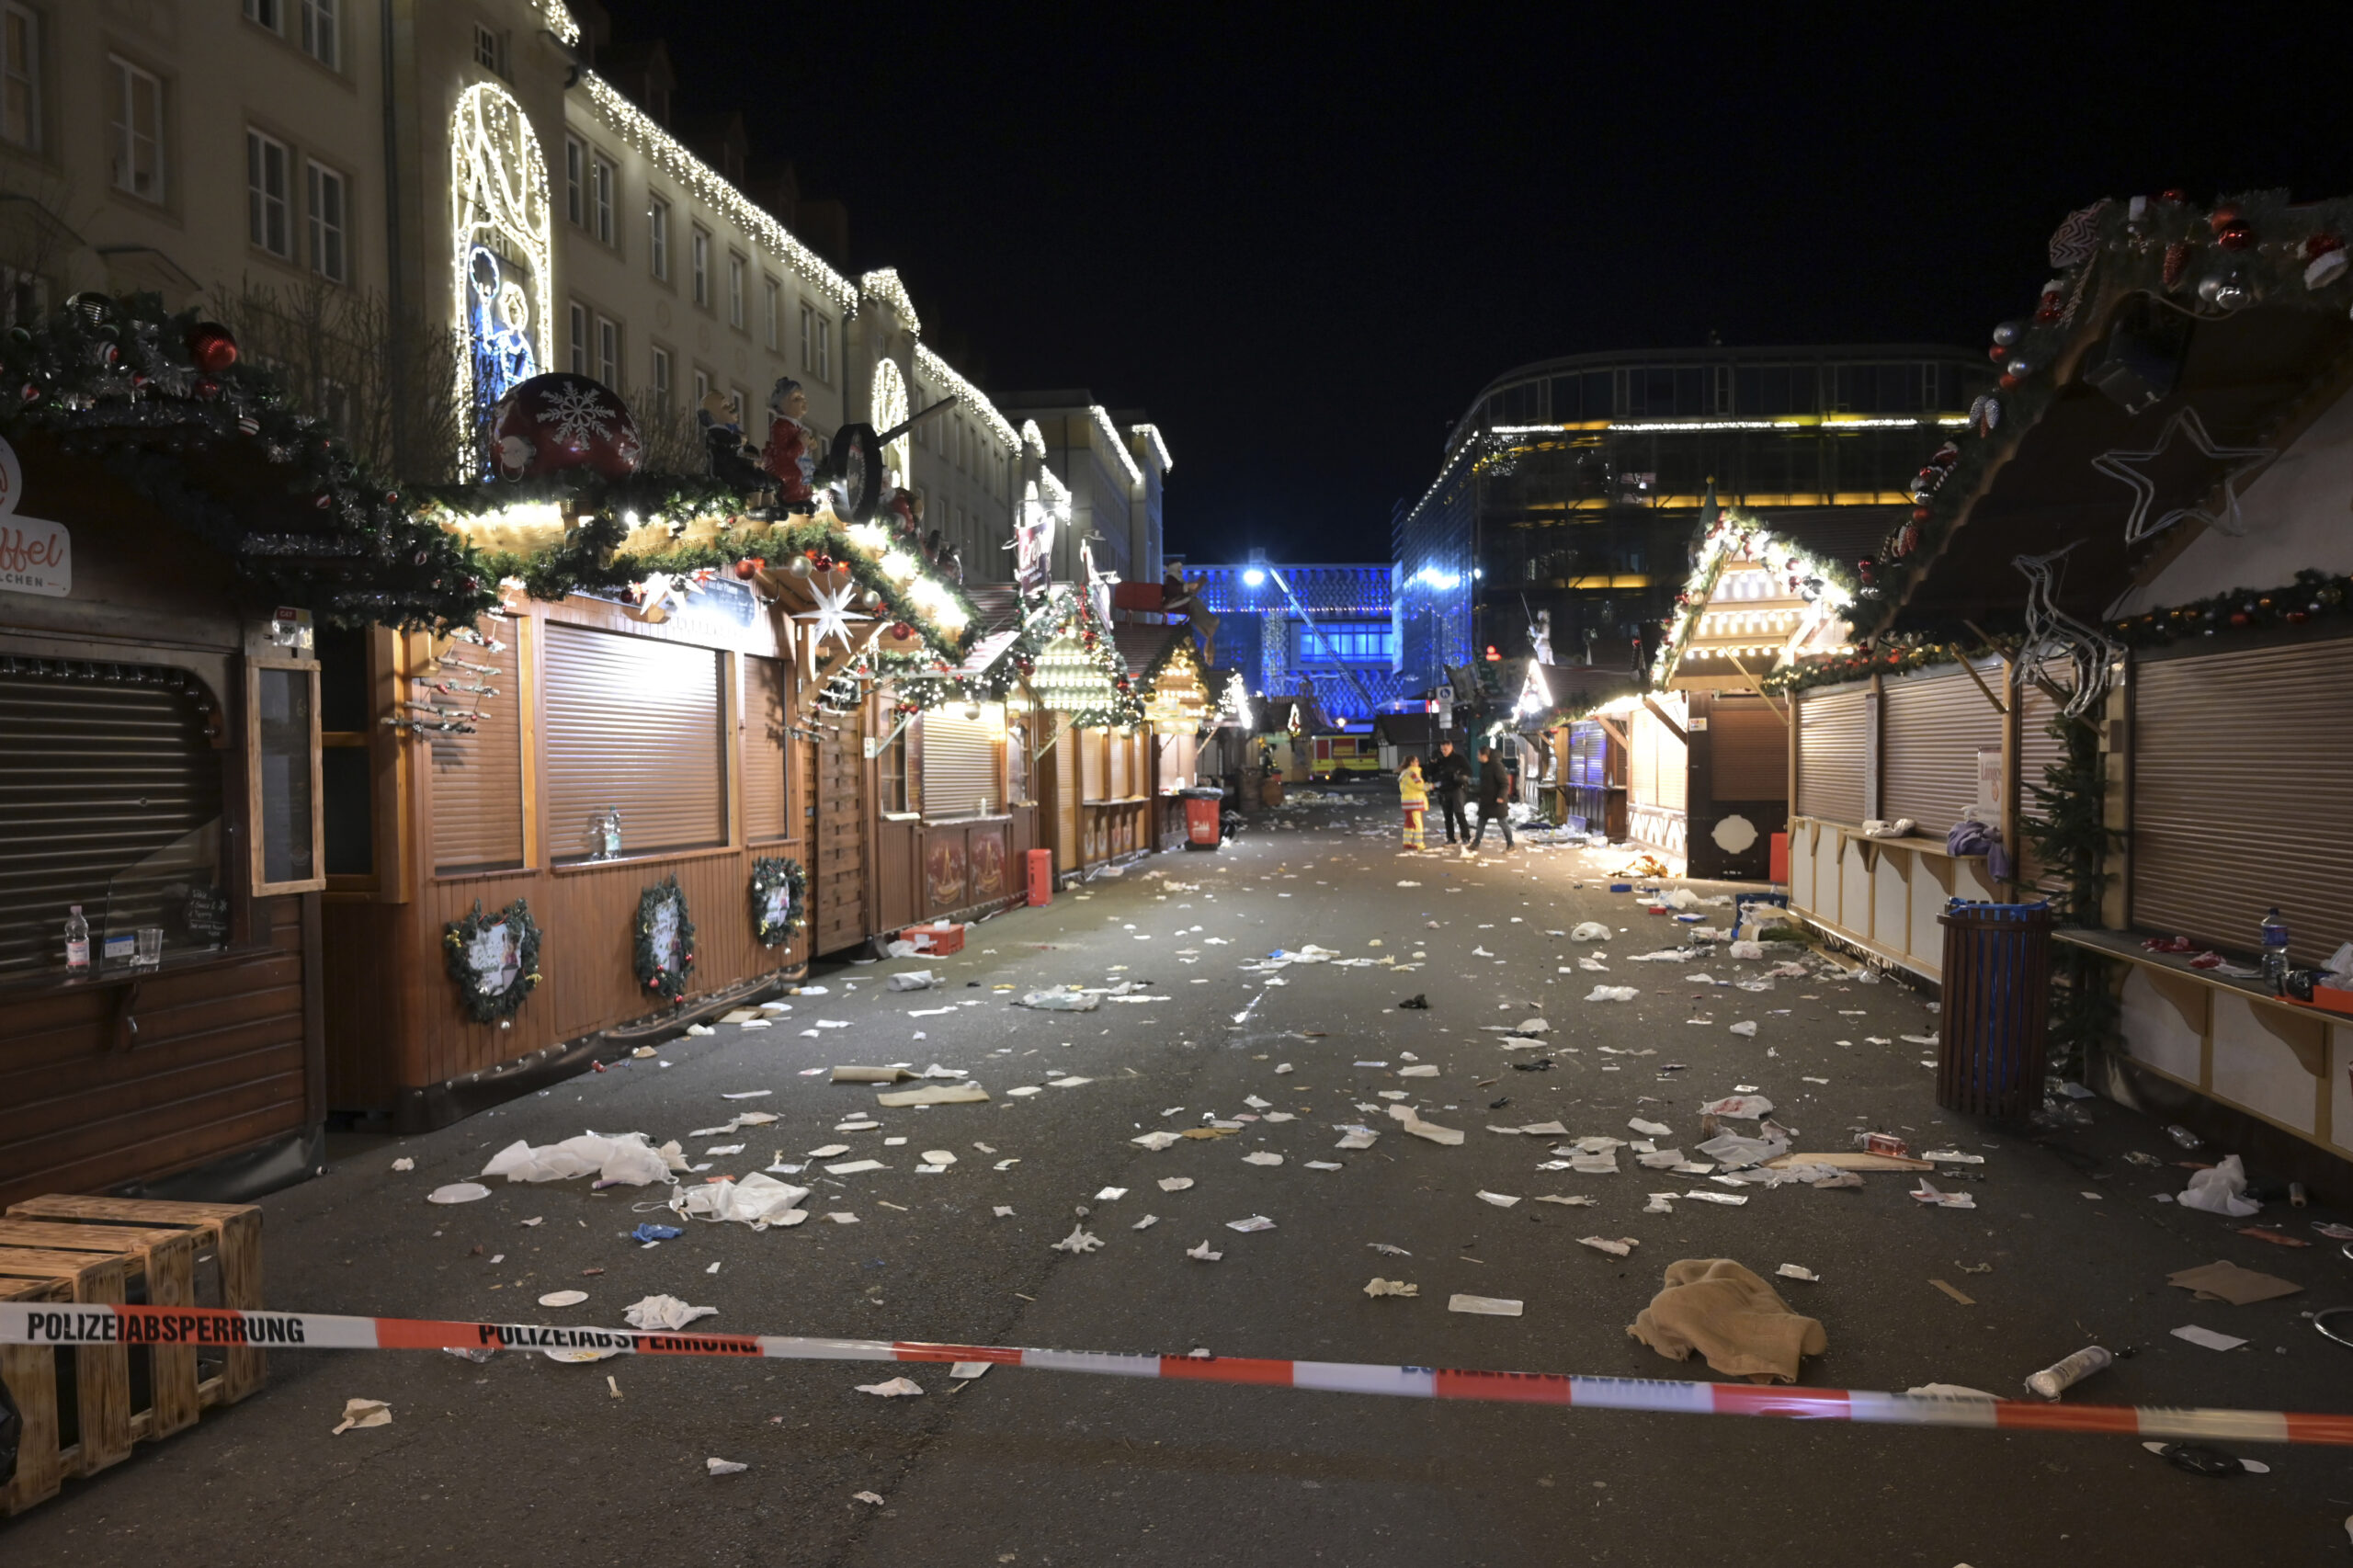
{"type": "Point", "coordinates": [364, 1412]}
{"type": "Point", "coordinates": [1486, 1306]}
{"type": "Point", "coordinates": [2229, 1283]}
{"type": "Point", "coordinates": [871, 1076]}
{"type": "Point", "coordinates": [935, 1093]}
{"type": "Point", "coordinates": [1843, 1160]}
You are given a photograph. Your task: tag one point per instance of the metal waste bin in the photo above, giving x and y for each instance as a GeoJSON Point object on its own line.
{"type": "Point", "coordinates": [1996, 999]}
{"type": "Point", "coordinates": [1204, 826]}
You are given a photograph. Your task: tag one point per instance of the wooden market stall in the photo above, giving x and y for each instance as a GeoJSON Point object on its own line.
{"type": "Point", "coordinates": [2184, 432]}
{"type": "Point", "coordinates": [1164, 664]}
{"type": "Point", "coordinates": [171, 539]}
{"type": "Point", "coordinates": [629, 797]}
{"type": "Point", "coordinates": [1094, 771]}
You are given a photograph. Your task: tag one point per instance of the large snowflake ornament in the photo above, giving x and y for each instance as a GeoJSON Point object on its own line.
{"type": "Point", "coordinates": [576, 413]}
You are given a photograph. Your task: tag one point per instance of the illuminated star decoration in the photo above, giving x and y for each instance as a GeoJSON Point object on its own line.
{"type": "Point", "coordinates": [2238, 463]}
{"type": "Point", "coordinates": [831, 618]}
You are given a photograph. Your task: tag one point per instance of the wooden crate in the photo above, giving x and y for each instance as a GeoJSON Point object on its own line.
{"type": "Point", "coordinates": [167, 1260]}
{"type": "Point", "coordinates": [231, 1231]}
{"type": "Point", "coordinates": [101, 1372]}
{"type": "Point", "coordinates": [30, 1373]}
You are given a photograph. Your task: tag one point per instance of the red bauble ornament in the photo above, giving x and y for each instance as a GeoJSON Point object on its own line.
{"type": "Point", "coordinates": [29, 393]}
{"type": "Point", "coordinates": [207, 387]}
{"type": "Point", "coordinates": [900, 629]}
{"type": "Point", "coordinates": [2297, 617]}
{"type": "Point", "coordinates": [2320, 245]}
{"type": "Point", "coordinates": [2008, 381]}
{"type": "Point", "coordinates": [561, 421]}
{"type": "Point", "coordinates": [2221, 218]}
{"type": "Point", "coordinates": [2173, 194]}
{"type": "Point", "coordinates": [1997, 353]}
{"type": "Point", "coordinates": [2235, 236]}
{"type": "Point", "coordinates": [212, 346]}
{"type": "Point", "coordinates": [2240, 618]}
{"type": "Point", "coordinates": [1920, 514]}
{"type": "Point", "coordinates": [750, 567]}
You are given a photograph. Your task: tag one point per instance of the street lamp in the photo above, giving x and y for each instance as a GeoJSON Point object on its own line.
{"type": "Point", "coordinates": [1254, 576]}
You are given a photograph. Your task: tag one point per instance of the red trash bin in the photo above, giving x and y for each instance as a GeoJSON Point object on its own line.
{"type": "Point", "coordinates": [1041, 877]}
{"type": "Point", "coordinates": [1203, 825]}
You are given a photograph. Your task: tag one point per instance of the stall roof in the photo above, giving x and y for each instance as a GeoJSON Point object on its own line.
{"type": "Point", "coordinates": [1144, 648]}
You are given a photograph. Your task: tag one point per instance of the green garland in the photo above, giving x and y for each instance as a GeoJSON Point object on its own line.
{"type": "Point", "coordinates": [483, 1005]}
{"type": "Point", "coordinates": [1045, 620]}
{"type": "Point", "coordinates": [771, 876]}
{"type": "Point", "coordinates": [2314, 595]}
{"type": "Point", "coordinates": [654, 971]}
{"type": "Point", "coordinates": [118, 380]}
{"type": "Point", "coordinates": [1890, 657]}
{"type": "Point", "coordinates": [2072, 838]}
{"type": "Point", "coordinates": [2269, 247]}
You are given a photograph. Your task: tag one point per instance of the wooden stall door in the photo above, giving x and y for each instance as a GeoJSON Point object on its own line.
{"type": "Point", "coordinates": [837, 830]}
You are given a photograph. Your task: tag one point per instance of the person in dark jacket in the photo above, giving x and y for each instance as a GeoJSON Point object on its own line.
{"type": "Point", "coordinates": [1494, 796]}
{"type": "Point", "coordinates": [1450, 776]}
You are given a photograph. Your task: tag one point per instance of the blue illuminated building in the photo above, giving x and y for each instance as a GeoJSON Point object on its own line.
{"type": "Point", "coordinates": [1345, 646]}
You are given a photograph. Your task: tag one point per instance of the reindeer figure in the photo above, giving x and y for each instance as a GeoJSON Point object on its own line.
{"type": "Point", "coordinates": [2051, 633]}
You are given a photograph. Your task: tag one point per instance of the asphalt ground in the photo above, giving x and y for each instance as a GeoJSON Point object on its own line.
{"type": "Point", "coordinates": [524, 1461]}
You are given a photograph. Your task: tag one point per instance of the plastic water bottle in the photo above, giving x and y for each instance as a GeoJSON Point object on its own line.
{"type": "Point", "coordinates": [2275, 951]}
{"type": "Point", "coordinates": [78, 941]}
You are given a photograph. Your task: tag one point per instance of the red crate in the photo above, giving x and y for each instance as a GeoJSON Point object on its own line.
{"type": "Point", "coordinates": [935, 941]}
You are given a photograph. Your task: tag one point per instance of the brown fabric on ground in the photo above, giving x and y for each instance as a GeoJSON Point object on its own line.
{"type": "Point", "coordinates": [1731, 1317]}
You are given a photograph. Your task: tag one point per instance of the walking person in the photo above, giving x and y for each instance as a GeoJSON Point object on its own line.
{"type": "Point", "coordinates": [1494, 798]}
{"type": "Point", "coordinates": [1416, 796]}
{"type": "Point", "coordinates": [1450, 776]}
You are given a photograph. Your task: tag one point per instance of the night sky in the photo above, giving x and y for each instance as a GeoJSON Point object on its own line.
{"type": "Point", "coordinates": [1303, 239]}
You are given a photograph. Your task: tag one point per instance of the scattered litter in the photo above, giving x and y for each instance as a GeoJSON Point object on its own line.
{"type": "Point", "coordinates": [1110, 1195]}
{"type": "Point", "coordinates": [1732, 1198]}
{"type": "Point", "coordinates": [1418, 1004]}
{"type": "Point", "coordinates": [1739, 1107]}
{"type": "Point", "coordinates": [457, 1192]}
{"type": "Point", "coordinates": [1612, 993]}
{"type": "Point", "coordinates": [965, 1371]}
{"type": "Point", "coordinates": [2258, 1233]}
{"type": "Point", "coordinates": [363, 1413]}
{"type": "Point", "coordinates": [2060, 1376]}
{"type": "Point", "coordinates": [2206, 1337]}
{"type": "Point", "coordinates": [1792, 1271]}
{"type": "Point", "coordinates": [912, 979]}
{"type": "Point", "coordinates": [1650, 1129]}
{"type": "Point", "coordinates": [1079, 1240]}
{"type": "Point", "coordinates": [938, 1157]}
{"type": "Point", "coordinates": [1589, 931]}
{"type": "Point", "coordinates": [854, 1168]}
{"type": "Point", "coordinates": [650, 1232]}
{"type": "Point", "coordinates": [2229, 1283]}
{"type": "Point", "coordinates": [1745, 1028]}
{"type": "Point", "coordinates": [1730, 1316]}
{"type": "Point", "coordinates": [1965, 1299]}
{"type": "Point", "coordinates": [1174, 1184]}
{"type": "Point", "coordinates": [873, 1497]}
{"type": "Point", "coordinates": [563, 1298]}
{"type": "Point", "coordinates": [1927, 1193]}
{"type": "Point", "coordinates": [1425, 1070]}
{"type": "Point", "coordinates": [936, 1094]}
{"type": "Point", "coordinates": [1408, 1118]}
{"type": "Point", "coordinates": [1578, 1202]}
{"type": "Point", "coordinates": [1379, 1286]}
{"type": "Point", "coordinates": [1620, 1247]}
{"type": "Point", "coordinates": [1486, 1306]}
{"type": "Point", "coordinates": [871, 1076]}
{"type": "Point", "coordinates": [1262, 1157]}
{"type": "Point", "coordinates": [625, 1158]}
{"type": "Point", "coordinates": [1201, 1254]}
{"type": "Point", "coordinates": [1146, 1223]}
{"type": "Point", "coordinates": [1500, 1200]}
{"type": "Point", "coordinates": [403, 1163]}
{"type": "Point", "coordinates": [2220, 1191]}
{"type": "Point", "coordinates": [897, 1388]}
{"type": "Point", "coordinates": [2200, 1459]}
{"type": "Point", "coordinates": [664, 1314]}
{"type": "Point", "coordinates": [1155, 1142]}
{"type": "Point", "coordinates": [1061, 1001]}
{"type": "Point", "coordinates": [1255, 1222]}
{"type": "Point", "coordinates": [723, 1467]}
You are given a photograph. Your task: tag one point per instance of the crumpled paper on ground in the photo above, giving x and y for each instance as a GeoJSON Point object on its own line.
{"type": "Point", "coordinates": [1731, 1317]}
{"type": "Point", "coordinates": [624, 1157]}
{"type": "Point", "coordinates": [758, 1200]}
{"type": "Point", "coordinates": [1410, 1120]}
{"type": "Point", "coordinates": [1589, 931]}
{"type": "Point", "coordinates": [2220, 1190]}
{"type": "Point", "coordinates": [664, 1314]}
{"type": "Point", "coordinates": [1611, 993]}
{"type": "Point", "coordinates": [1062, 1002]}
{"type": "Point", "coordinates": [363, 1413]}
{"type": "Point", "coordinates": [911, 979]}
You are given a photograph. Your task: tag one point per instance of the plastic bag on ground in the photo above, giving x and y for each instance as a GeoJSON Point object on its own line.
{"type": "Point", "coordinates": [1062, 1002]}
{"type": "Point", "coordinates": [623, 1157]}
{"type": "Point", "coordinates": [1589, 931]}
{"type": "Point", "coordinates": [758, 1200]}
{"type": "Point", "coordinates": [664, 1314]}
{"type": "Point", "coordinates": [2220, 1191]}
{"type": "Point", "coordinates": [912, 979]}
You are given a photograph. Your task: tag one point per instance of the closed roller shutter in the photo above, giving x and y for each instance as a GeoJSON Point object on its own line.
{"type": "Point", "coordinates": [2243, 796]}
{"type": "Point", "coordinates": [959, 766]}
{"type": "Point", "coordinates": [1831, 751]}
{"type": "Point", "coordinates": [763, 743]}
{"type": "Point", "coordinates": [1932, 725]}
{"type": "Point", "coordinates": [633, 723]}
{"type": "Point", "coordinates": [103, 768]}
{"type": "Point", "coordinates": [478, 778]}
{"type": "Point", "coordinates": [1748, 751]}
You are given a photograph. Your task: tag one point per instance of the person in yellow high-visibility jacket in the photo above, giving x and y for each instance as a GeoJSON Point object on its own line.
{"type": "Point", "coordinates": [1415, 795]}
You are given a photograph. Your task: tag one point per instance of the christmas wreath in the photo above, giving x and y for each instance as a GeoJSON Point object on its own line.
{"type": "Point", "coordinates": [779, 901]}
{"type": "Point", "coordinates": [665, 940]}
{"type": "Point", "coordinates": [495, 958]}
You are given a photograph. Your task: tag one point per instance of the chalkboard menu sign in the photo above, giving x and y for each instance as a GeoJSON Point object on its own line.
{"type": "Point", "coordinates": [206, 915]}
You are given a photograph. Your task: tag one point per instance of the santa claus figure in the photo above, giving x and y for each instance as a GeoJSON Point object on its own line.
{"type": "Point", "coordinates": [790, 457]}
{"type": "Point", "coordinates": [906, 511]}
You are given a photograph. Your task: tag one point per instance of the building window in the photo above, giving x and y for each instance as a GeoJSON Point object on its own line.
{"type": "Point", "coordinates": [266, 218]}
{"type": "Point", "coordinates": [135, 130]}
{"type": "Point", "coordinates": [488, 54]}
{"type": "Point", "coordinates": [892, 775]}
{"type": "Point", "coordinates": [20, 76]}
{"type": "Point", "coordinates": [698, 265]}
{"type": "Point", "coordinates": [578, 340]}
{"type": "Point", "coordinates": [661, 380]}
{"type": "Point", "coordinates": [702, 386]}
{"type": "Point", "coordinates": [575, 196]}
{"type": "Point", "coordinates": [608, 351]}
{"type": "Point", "coordinates": [269, 14]}
{"type": "Point", "coordinates": [321, 39]}
{"type": "Point", "coordinates": [816, 344]}
{"type": "Point", "coordinates": [327, 195]}
{"type": "Point", "coordinates": [775, 296]}
{"type": "Point", "coordinates": [601, 177]}
{"type": "Point", "coordinates": [1344, 642]}
{"type": "Point", "coordinates": [657, 238]}
{"type": "Point", "coordinates": [734, 290]}
{"type": "Point", "coordinates": [739, 404]}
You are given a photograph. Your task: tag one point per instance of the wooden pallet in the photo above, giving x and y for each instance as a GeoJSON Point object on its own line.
{"type": "Point", "coordinates": [167, 1269]}
{"type": "Point", "coordinates": [229, 1232]}
{"type": "Point", "coordinates": [101, 1372]}
{"type": "Point", "coordinates": [30, 1373]}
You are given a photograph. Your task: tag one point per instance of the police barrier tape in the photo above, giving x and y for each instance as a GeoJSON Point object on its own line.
{"type": "Point", "coordinates": [96, 1324]}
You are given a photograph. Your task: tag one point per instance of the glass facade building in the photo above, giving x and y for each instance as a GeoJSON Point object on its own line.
{"type": "Point", "coordinates": [1572, 486]}
{"type": "Point", "coordinates": [1348, 655]}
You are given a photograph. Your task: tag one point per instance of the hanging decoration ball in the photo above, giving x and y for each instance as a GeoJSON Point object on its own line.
{"type": "Point", "coordinates": [899, 629]}
{"type": "Point", "coordinates": [561, 421]}
{"type": "Point", "coordinates": [2174, 195]}
{"type": "Point", "coordinates": [2225, 292]}
{"type": "Point", "coordinates": [207, 387]}
{"type": "Point", "coordinates": [2007, 333]}
{"type": "Point", "coordinates": [2321, 243]}
{"type": "Point", "coordinates": [1998, 352]}
{"type": "Point", "coordinates": [1920, 514]}
{"type": "Point", "coordinates": [750, 567]}
{"type": "Point", "coordinates": [212, 346]}
{"type": "Point", "coordinates": [798, 565]}
{"type": "Point", "coordinates": [870, 599]}
{"type": "Point", "coordinates": [2020, 369]}
{"type": "Point", "coordinates": [2222, 217]}
{"type": "Point", "coordinates": [29, 393]}
{"type": "Point", "coordinates": [2235, 235]}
